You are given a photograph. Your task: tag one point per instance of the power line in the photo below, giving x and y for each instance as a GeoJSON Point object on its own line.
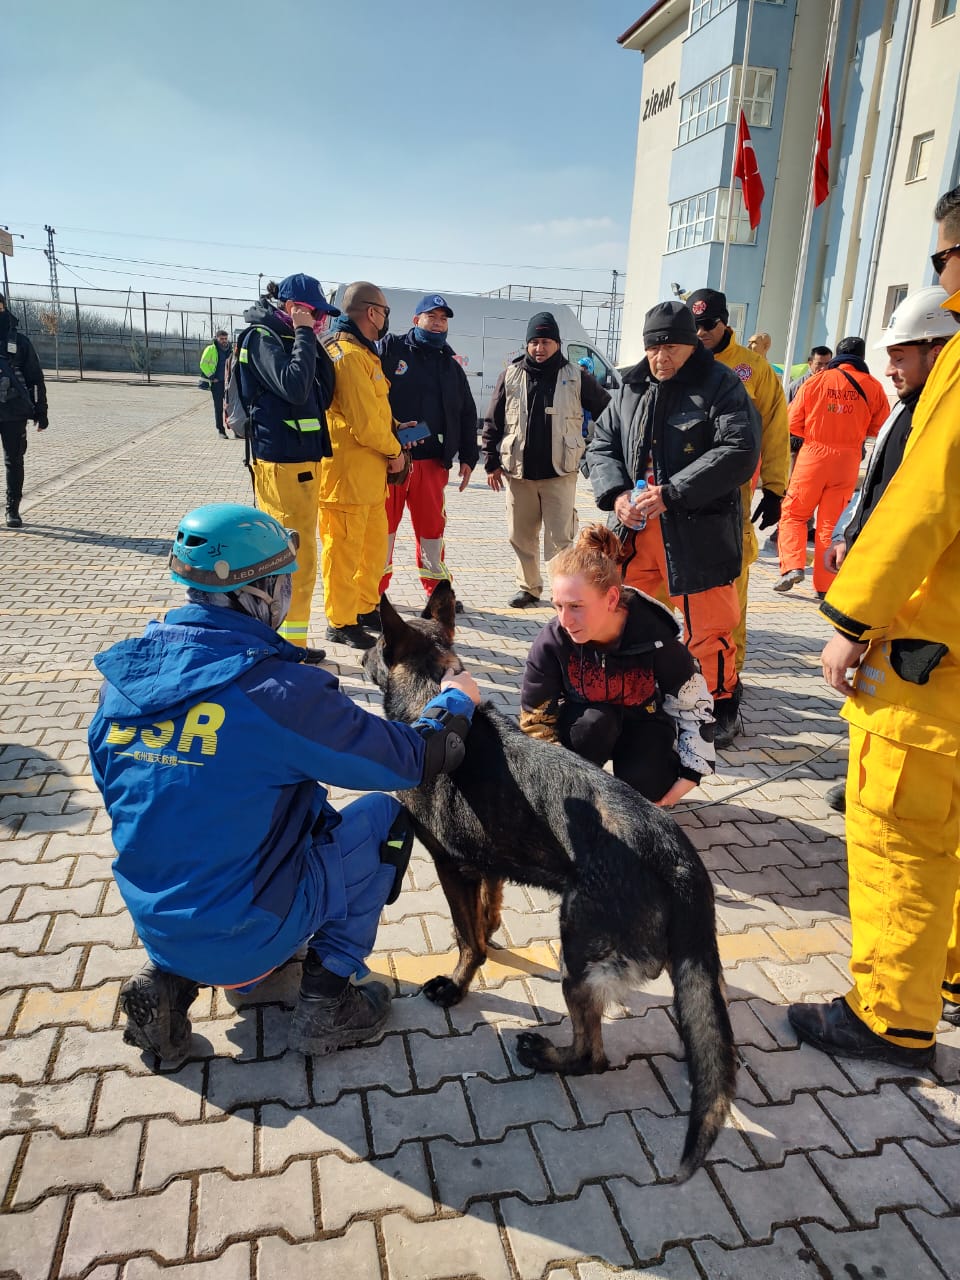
{"type": "Point", "coordinates": [328, 253]}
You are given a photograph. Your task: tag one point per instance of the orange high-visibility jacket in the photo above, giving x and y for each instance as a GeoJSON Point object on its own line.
{"type": "Point", "coordinates": [829, 411]}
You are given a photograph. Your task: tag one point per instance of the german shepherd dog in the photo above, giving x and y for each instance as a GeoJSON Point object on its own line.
{"type": "Point", "coordinates": [634, 896]}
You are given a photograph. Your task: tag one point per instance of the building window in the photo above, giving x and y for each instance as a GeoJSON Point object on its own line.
{"type": "Point", "coordinates": [704, 217]}
{"type": "Point", "coordinates": [715, 102]}
{"type": "Point", "coordinates": [944, 9]}
{"type": "Point", "coordinates": [757, 96]}
{"type": "Point", "coordinates": [895, 295]}
{"type": "Point", "coordinates": [920, 151]}
{"type": "Point", "coordinates": [702, 11]}
{"type": "Point", "coordinates": [737, 312]}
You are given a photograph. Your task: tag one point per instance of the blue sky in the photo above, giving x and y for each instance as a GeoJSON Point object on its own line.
{"type": "Point", "coordinates": [350, 140]}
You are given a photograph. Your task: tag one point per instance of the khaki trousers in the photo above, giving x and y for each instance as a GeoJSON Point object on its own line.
{"type": "Point", "coordinates": [536, 504]}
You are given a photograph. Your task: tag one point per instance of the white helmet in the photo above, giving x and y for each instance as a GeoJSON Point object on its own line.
{"type": "Point", "coordinates": [919, 318]}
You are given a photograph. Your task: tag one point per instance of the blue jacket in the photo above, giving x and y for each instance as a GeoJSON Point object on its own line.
{"type": "Point", "coordinates": [286, 379]}
{"type": "Point", "coordinates": [206, 746]}
{"type": "Point", "coordinates": [430, 386]}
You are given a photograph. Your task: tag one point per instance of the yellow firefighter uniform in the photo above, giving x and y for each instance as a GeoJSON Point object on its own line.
{"type": "Point", "coordinates": [763, 387]}
{"type": "Point", "coordinates": [899, 590]}
{"type": "Point", "coordinates": [353, 483]}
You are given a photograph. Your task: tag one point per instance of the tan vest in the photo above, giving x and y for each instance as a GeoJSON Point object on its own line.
{"type": "Point", "coordinates": [566, 414]}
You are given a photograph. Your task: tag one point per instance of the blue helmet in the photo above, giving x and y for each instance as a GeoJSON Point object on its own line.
{"type": "Point", "coordinates": [224, 545]}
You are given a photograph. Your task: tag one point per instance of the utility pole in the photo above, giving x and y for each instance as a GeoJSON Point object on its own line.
{"type": "Point", "coordinates": [612, 325]}
{"type": "Point", "coordinates": [51, 256]}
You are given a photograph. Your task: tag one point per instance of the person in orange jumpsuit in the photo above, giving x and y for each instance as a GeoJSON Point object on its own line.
{"type": "Point", "coordinates": [833, 414]}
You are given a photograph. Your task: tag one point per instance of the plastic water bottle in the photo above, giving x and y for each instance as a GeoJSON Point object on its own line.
{"type": "Point", "coordinates": [639, 488]}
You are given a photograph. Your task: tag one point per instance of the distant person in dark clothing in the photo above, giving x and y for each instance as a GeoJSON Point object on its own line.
{"type": "Point", "coordinates": [427, 384]}
{"type": "Point", "coordinates": [23, 398]}
{"type": "Point", "coordinates": [535, 433]}
{"type": "Point", "coordinates": [213, 363]}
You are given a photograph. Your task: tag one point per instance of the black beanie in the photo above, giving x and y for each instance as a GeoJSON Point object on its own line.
{"type": "Point", "coordinates": [543, 325]}
{"type": "Point", "coordinates": [708, 306]}
{"type": "Point", "coordinates": [668, 323]}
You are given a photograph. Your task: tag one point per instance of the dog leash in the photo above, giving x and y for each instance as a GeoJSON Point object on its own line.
{"type": "Point", "coordinates": [761, 782]}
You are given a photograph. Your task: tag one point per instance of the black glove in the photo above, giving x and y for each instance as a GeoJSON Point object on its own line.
{"type": "Point", "coordinates": [768, 512]}
{"type": "Point", "coordinates": [796, 444]}
{"type": "Point", "coordinates": [42, 423]}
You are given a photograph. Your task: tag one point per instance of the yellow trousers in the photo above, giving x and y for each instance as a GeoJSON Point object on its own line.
{"type": "Point", "coordinates": [354, 540]}
{"type": "Point", "coordinates": [289, 491]}
{"type": "Point", "coordinates": [903, 858]}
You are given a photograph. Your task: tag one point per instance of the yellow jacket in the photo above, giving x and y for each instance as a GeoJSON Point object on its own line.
{"type": "Point", "coordinates": [361, 427]}
{"type": "Point", "coordinates": [763, 387]}
{"type": "Point", "coordinates": [901, 580]}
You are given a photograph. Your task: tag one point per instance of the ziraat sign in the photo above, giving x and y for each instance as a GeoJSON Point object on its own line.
{"type": "Point", "coordinates": [658, 101]}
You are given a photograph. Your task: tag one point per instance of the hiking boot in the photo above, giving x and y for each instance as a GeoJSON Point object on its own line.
{"type": "Point", "coordinates": [834, 1028]}
{"type": "Point", "coordinates": [312, 656]}
{"type": "Point", "coordinates": [951, 1012]}
{"type": "Point", "coordinates": [323, 1024]}
{"type": "Point", "coordinates": [836, 797]}
{"type": "Point", "coordinates": [523, 600]}
{"type": "Point", "coordinates": [726, 714]}
{"type": "Point", "coordinates": [370, 620]}
{"type": "Point", "coordinates": [156, 1003]}
{"type": "Point", "coordinates": [789, 579]}
{"type": "Point", "coordinates": [354, 636]}
{"type": "Point", "coordinates": [13, 518]}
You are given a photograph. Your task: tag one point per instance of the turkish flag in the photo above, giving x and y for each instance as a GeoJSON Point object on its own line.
{"type": "Point", "coordinates": [821, 161]}
{"type": "Point", "coordinates": [745, 168]}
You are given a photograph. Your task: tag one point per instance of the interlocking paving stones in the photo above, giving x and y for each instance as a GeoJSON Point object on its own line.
{"type": "Point", "coordinates": [432, 1152]}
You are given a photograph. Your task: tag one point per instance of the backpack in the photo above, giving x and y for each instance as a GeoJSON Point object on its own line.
{"type": "Point", "coordinates": [236, 408]}
{"type": "Point", "coordinates": [15, 398]}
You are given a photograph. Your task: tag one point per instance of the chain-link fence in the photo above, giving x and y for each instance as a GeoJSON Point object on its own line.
{"type": "Point", "coordinates": [599, 313]}
{"type": "Point", "coordinates": [102, 333]}
{"type": "Point", "coordinates": [158, 337]}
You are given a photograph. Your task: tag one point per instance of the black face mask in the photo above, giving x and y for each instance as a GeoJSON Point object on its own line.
{"type": "Point", "coordinates": [384, 328]}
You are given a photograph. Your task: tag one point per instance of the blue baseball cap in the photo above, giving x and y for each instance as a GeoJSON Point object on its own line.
{"type": "Point", "coordinates": [305, 289]}
{"type": "Point", "coordinates": [433, 302]}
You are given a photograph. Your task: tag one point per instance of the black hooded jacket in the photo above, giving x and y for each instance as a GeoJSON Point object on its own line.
{"type": "Point", "coordinates": [18, 350]}
{"type": "Point", "coordinates": [701, 434]}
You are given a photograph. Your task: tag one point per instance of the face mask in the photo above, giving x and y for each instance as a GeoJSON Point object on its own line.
{"type": "Point", "coordinates": [428, 339]}
{"type": "Point", "coordinates": [384, 328]}
{"type": "Point", "coordinates": [268, 606]}
{"type": "Point", "coordinates": [320, 323]}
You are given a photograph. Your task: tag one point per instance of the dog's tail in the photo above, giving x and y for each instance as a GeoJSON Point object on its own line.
{"type": "Point", "coordinates": [704, 1024]}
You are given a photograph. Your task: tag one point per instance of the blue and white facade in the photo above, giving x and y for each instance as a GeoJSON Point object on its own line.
{"type": "Point", "coordinates": [895, 99]}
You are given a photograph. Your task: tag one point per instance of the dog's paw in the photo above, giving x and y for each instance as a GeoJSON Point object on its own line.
{"type": "Point", "coordinates": [533, 1050]}
{"type": "Point", "coordinates": [443, 991]}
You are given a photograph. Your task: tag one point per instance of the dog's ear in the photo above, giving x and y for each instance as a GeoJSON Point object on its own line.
{"type": "Point", "coordinates": [441, 607]}
{"type": "Point", "coordinates": [395, 631]}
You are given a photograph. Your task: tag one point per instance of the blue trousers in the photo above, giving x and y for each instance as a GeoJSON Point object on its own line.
{"type": "Point", "coordinates": [343, 945]}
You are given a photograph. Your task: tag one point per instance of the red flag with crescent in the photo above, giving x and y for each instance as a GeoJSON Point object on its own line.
{"type": "Point", "coordinates": [745, 168]}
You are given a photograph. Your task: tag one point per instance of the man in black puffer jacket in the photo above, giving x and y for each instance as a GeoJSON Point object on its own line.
{"type": "Point", "coordinates": [684, 425]}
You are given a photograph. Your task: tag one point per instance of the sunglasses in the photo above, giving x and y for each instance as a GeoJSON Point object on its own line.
{"type": "Point", "coordinates": [378, 306]}
{"type": "Point", "coordinates": [939, 260]}
{"type": "Point", "coordinates": [708, 324]}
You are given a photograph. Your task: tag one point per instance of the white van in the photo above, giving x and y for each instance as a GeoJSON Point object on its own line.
{"type": "Point", "coordinates": [487, 333]}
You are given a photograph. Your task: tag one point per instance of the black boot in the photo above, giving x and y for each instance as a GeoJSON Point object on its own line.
{"type": "Point", "coordinates": [726, 713]}
{"type": "Point", "coordinates": [332, 1014]}
{"type": "Point", "coordinates": [156, 1003]}
{"type": "Point", "coordinates": [835, 1028]}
